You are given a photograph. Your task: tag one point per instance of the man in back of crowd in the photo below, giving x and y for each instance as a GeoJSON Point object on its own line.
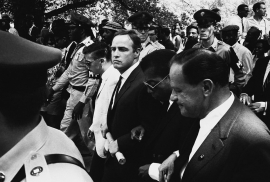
{"type": "Point", "coordinates": [165, 39]}
{"type": "Point", "coordinates": [230, 36]}
{"type": "Point", "coordinates": [192, 36]}
{"type": "Point", "coordinates": [109, 30]}
{"type": "Point", "coordinates": [140, 23]}
{"type": "Point", "coordinates": [30, 149]}
{"type": "Point", "coordinates": [258, 20]}
{"type": "Point", "coordinates": [239, 20]}
{"type": "Point", "coordinates": [76, 75]}
{"type": "Point", "coordinates": [154, 37]}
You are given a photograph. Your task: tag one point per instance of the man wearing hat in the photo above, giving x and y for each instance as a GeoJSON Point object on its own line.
{"type": "Point", "coordinates": [6, 22]}
{"type": "Point", "coordinates": [230, 36]}
{"type": "Point", "coordinates": [109, 30]}
{"type": "Point", "coordinates": [207, 20]}
{"type": "Point", "coordinates": [28, 145]}
{"type": "Point", "coordinates": [76, 75]}
{"type": "Point", "coordinates": [140, 23]}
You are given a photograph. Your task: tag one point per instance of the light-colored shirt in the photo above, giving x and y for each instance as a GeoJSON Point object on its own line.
{"type": "Point", "coordinates": [44, 140]}
{"type": "Point", "coordinates": [266, 71]}
{"type": "Point", "coordinates": [147, 48]}
{"type": "Point", "coordinates": [208, 123]}
{"type": "Point", "coordinates": [109, 79]}
{"type": "Point", "coordinates": [77, 73]}
{"type": "Point", "coordinates": [263, 25]}
{"type": "Point", "coordinates": [245, 57]}
{"type": "Point", "coordinates": [159, 45]}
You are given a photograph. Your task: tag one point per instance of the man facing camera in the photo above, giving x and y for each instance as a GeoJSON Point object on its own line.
{"type": "Point", "coordinates": [229, 143]}
{"type": "Point", "coordinates": [127, 109]}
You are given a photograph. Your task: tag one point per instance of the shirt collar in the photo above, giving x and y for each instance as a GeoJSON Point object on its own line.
{"type": "Point", "coordinates": [86, 41]}
{"type": "Point", "coordinates": [214, 45]}
{"type": "Point", "coordinates": [107, 73]}
{"type": "Point", "coordinates": [13, 160]}
{"type": "Point", "coordinates": [126, 74]}
{"type": "Point", "coordinates": [216, 114]}
{"type": "Point", "coordinates": [236, 46]}
{"type": "Point", "coordinates": [144, 44]}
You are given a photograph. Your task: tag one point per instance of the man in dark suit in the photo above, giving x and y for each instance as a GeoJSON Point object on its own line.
{"type": "Point", "coordinates": [167, 132]}
{"type": "Point", "coordinates": [126, 110]}
{"type": "Point", "coordinates": [229, 143]}
{"type": "Point", "coordinates": [259, 86]}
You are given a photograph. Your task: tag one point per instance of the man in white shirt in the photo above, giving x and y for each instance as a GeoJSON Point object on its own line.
{"type": "Point", "coordinates": [245, 62]}
{"type": "Point", "coordinates": [98, 61]}
{"type": "Point", "coordinates": [230, 143]}
{"type": "Point", "coordinates": [239, 19]}
{"type": "Point", "coordinates": [258, 20]}
{"type": "Point", "coordinates": [76, 75]}
{"type": "Point", "coordinates": [152, 33]}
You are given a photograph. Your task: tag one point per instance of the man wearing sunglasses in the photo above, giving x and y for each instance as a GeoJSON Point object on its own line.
{"type": "Point", "coordinates": [166, 132]}
{"type": "Point", "coordinates": [141, 23]}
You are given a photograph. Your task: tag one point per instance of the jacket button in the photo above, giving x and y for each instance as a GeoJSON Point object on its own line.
{"type": "Point", "coordinates": [201, 157]}
{"type": "Point", "coordinates": [2, 177]}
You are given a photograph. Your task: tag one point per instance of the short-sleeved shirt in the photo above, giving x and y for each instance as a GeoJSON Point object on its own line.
{"type": "Point", "coordinates": [44, 140]}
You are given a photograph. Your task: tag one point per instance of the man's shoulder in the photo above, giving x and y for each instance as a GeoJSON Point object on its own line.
{"type": "Point", "coordinates": [222, 45]}
{"type": "Point", "coordinates": [197, 45]}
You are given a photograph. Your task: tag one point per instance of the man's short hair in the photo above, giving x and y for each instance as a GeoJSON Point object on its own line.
{"type": "Point", "coordinates": [158, 62]}
{"type": "Point", "coordinates": [257, 6]}
{"type": "Point", "coordinates": [133, 36]}
{"type": "Point", "coordinates": [200, 64]}
{"type": "Point", "coordinates": [241, 7]}
{"type": "Point", "coordinates": [166, 31]}
{"type": "Point", "coordinates": [192, 26]}
{"type": "Point", "coordinates": [98, 50]}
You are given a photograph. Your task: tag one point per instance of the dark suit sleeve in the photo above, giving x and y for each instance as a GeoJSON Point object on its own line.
{"type": "Point", "coordinates": [254, 163]}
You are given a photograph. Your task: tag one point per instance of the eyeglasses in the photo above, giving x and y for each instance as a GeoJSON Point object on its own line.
{"type": "Point", "coordinates": [153, 87]}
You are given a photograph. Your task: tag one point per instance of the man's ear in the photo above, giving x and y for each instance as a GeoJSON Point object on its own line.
{"type": "Point", "coordinates": [137, 52]}
{"type": "Point", "coordinates": [207, 87]}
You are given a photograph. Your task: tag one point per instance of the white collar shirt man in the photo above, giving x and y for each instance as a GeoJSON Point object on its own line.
{"type": "Point", "coordinates": [263, 25]}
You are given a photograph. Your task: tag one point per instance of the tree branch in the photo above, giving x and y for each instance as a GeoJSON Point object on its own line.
{"type": "Point", "coordinates": [126, 6]}
{"type": "Point", "coordinates": [68, 7]}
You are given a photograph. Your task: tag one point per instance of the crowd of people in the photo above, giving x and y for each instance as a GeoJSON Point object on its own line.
{"type": "Point", "coordinates": [153, 103]}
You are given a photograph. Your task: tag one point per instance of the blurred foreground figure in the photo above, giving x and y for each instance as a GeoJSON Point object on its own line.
{"type": "Point", "coordinates": [28, 145]}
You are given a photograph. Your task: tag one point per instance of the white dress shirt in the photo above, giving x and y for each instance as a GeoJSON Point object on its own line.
{"type": "Point", "coordinates": [263, 25]}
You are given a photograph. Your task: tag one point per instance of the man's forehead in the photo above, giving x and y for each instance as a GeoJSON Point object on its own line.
{"type": "Point", "coordinates": [121, 40]}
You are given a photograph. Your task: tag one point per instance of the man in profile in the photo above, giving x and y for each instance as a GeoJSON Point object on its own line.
{"type": "Point", "coordinates": [229, 143]}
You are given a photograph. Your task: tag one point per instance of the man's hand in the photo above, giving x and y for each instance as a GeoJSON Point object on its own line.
{"type": "Point", "coordinates": [166, 168]}
{"type": "Point", "coordinates": [50, 95]}
{"type": "Point", "coordinates": [78, 111]}
{"type": "Point", "coordinates": [245, 99]}
{"type": "Point", "coordinates": [113, 147]}
{"type": "Point", "coordinates": [90, 134]}
{"type": "Point", "coordinates": [137, 133]}
{"type": "Point", "coordinates": [104, 130]}
{"type": "Point", "coordinates": [143, 171]}
{"type": "Point", "coordinates": [257, 107]}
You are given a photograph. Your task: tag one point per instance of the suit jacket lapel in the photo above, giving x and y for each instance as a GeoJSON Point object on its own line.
{"type": "Point", "coordinates": [127, 83]}
{"type": "Point", "coordinates": [214, 142]}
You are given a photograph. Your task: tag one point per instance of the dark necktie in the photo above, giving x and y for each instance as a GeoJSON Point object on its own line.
{"type": "Point", "coordinates": [242, 25]}
{"type": "Point", "coordinates": [115, 92]}
{"type": "Point", "coordinates": [95, 96]}
{"type": "Point", "coordinates": [187, 147]}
